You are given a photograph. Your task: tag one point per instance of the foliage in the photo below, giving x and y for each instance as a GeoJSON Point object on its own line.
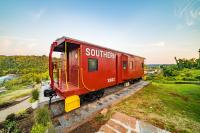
{"type": "Point", "coordinates": [11, 127]}
{"type": "Point", "coordinates": [188, 63]}
{"type": "Point", "coordinates": [25, 79]}
{"type": "Point", "coordinates": [35, 94]}
{"type": "Point", "coordinates": [184, 70]}
{"type": "Point", "coordinates": [11, 117]}
{"type": "Point", "coordinates": [10, 95]}
{"type": "Point", "coordinates": [22, 113]}
{"type": "Point", "coordinates": [30, 70]}
{"type": "Point", "coordinates": [42, 120]}
{"type": "Point", "coordinates": [170, 70]}
{"type": "Point", "coordinates": [23, 64]}
{"type": "Point", "coordinates": [42, 116]}
{"type": "Point", "coordinates": [171, 73]}
{"type": "Point", "coordinates": [38, 128]}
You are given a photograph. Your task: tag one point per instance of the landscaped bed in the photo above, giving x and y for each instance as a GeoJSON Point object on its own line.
{"type": "Point", "coordinates": [174, 107]}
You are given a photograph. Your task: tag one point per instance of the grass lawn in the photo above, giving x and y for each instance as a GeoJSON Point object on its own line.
{"type": "Point", "coordinates": [13, 94]}
{"type": "Point", "coordinates": [174, 107]}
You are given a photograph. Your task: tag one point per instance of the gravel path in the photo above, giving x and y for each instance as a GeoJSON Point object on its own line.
{"type": "Point", "coordinates": [24, 104]}
{"type": "Point", "coordinates": [14, 109]}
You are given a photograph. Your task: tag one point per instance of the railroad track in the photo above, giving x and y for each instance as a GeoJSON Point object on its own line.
{"type": "Point", "coordinates": [66, 122]}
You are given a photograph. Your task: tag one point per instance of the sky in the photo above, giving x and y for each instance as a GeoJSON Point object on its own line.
{"type": "Point", "coordinates": [158, 30]}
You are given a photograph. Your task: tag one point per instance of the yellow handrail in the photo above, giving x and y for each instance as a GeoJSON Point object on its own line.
{"type": "Point", "coordinates": [81, 74]}
{"type": "Point", "coordinates": [83, 81]}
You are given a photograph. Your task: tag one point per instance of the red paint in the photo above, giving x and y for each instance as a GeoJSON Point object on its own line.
{"type": "Point", "coordinates": [73, 67]}
{"type": "Point", "coordinates": [80, 80]}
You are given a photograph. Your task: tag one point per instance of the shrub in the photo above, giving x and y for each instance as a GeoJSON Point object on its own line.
{"type": "Point", "coordinates": [11, 127]}
{"type": "Point", "coordinates": [188, 79]}
{"type": "Point", "coordinates": [42, 116]}
{"type": "Point", "coordinates": [197, 77]}
{"type": "Point", "coordinates": [11, 117]}
{"type": "Point", "coordinates": [150, 77]}
{"type": "Point", "coordinates": [38, 128]}
{"type": "Point", "coordinates": [35, 94]}
{"type": "Point", "coordinates": [188, 74]}
{"type": "Point", "coordinates": [170, 71]}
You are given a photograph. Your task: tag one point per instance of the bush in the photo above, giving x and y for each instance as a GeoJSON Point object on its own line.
{"type": "Point", "coordinates": [150, 77]}
{"type": "Point", "coordinates": [35, 94]}
{"type": "Point", "coordinates": [11, 117]}
{"type": "Point", "coordinates": [197, 77]}
{"type": "Point", "coordinates": [11, 127]}
{"type": "Point", "coordinates": [38, 128]}
{"type": "Point", "coordinates": [42, 116]}
{"type": "Point", "coordinates": [171, 70]}
{"type": "Point", "coordinates": [42, 120]}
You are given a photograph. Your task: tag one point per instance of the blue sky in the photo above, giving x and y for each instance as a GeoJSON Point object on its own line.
{"type": "Point", "coordinates": [159, 30]}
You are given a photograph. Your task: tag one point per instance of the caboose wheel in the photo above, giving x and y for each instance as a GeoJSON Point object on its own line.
{"type": "Point", "coordinates": [92, 96]}
{"type": "Point", "coordinates": [100, 94]}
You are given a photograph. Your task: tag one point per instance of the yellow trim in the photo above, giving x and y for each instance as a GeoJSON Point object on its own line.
{"type": "Point", "coordinates": [81, 74]}
{"type": "Point", "coordinates": [59, 71]}
{"type": "Point", "coordinates": [83, 81]}
{"type": "Point", "coordinates": [66, 83]}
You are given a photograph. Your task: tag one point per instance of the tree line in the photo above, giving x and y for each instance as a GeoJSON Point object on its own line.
{"type": "Point", "coordinates": [187, 63]}
{"type": "Point", "coordinates": [23, 64]}
{"type": "Point", "coordinates": [184, 69]}
{"type": "Point", "coordinates": [29, 70]}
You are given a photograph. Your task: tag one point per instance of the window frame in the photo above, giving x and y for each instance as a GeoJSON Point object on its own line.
{"type": "Point", "coordinates": [131, 65]}
{"type": "Point", "coordinates": [97, 65]}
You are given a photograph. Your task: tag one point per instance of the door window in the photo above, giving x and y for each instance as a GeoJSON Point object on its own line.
{"type": "Point", "coordinates": [124, 65]}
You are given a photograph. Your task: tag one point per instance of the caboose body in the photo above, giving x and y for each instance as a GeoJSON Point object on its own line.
{"type": "Point", "coordinates": [84, 67]}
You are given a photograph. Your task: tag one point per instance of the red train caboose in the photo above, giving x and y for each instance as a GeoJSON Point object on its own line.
{"type": "Point", "coordinates": [85, 69]}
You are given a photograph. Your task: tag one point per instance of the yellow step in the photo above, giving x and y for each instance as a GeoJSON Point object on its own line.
{"type": "Point", "coordinates": [72, 103]}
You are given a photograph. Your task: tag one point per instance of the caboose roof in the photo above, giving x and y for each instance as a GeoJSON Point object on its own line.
{"type": "Point", "coordinates": [76, 41]}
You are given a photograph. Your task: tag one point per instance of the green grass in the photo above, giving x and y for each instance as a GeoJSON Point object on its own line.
{"type": "Point", "coordinates": [10, 96]}
{"type": "Point", "coordinates": [174, 107]}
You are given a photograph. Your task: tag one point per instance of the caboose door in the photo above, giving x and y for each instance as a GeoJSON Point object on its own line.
{"type": "Point", "coordinates": [124, 67]}
{"type": "Point", "coordinates": [73, 66]}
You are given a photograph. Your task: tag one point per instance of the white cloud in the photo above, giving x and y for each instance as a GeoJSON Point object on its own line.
{"type": "Point", "coordinates": [37, 15]}
{"type": "Point", "coordinates": [189, 12]}
{"type": "Point", "coordinates": [158, 44]}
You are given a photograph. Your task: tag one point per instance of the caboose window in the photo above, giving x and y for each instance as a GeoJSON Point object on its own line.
{"type": "Point", "coordinates": [92, 64]}
{"type": "Point", "coordinates": [131, 65]}
{"type": "Point", "coordinates": [124, 64]}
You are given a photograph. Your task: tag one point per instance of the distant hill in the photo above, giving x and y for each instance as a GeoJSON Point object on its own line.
{"type": "Point", "coordinates": [23, 64]}
{"type": "Point", "coordinates": [158, 64]}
